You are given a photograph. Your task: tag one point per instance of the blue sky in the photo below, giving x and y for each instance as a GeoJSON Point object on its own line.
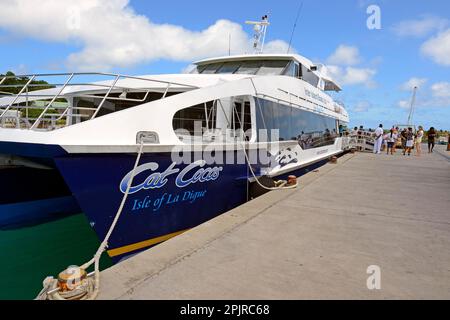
{"type": "Point", "coordinates": [377, 68]}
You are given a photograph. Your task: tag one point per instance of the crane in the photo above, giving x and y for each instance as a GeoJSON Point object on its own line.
{"type": "Point", "coordinates": [411, 110]}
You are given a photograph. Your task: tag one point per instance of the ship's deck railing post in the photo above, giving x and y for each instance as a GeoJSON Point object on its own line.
{"type": "Point", "coordinates": [102, 89]}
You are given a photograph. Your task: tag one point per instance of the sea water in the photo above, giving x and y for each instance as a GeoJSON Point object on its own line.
{"type": "Point", "coordinates": [29, 254]}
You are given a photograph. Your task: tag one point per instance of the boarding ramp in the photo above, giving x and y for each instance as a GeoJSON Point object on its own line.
{"type": "Point", "coordinates": [360, 141]}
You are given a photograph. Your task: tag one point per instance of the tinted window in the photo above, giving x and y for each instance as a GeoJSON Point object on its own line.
{"type": "Point", "coordinates": [293, 70]}
{"type": "Point", "coordinates": [211, 68]}
{"type": "Point", "coordinates": [229, 67]}
{"type": "Point", "coordinates": [272, 67]}
{"type": "Point", "coordinates": [249, 67]}
{"type": "Point", "coordinates": [309, 76]}
{"type": "Point", "coordinates": [266, 67]}
{"type": "Point", "coordinates": [311, 130]}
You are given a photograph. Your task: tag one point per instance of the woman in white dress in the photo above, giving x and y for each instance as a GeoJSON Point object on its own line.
{"type": "Point", "coordinates": [419, 138]}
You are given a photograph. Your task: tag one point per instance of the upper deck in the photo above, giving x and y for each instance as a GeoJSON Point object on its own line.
{"type": "Point", "coordinates": [292, 65]}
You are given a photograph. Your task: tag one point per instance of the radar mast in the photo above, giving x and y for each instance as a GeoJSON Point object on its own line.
{"type": "Point", "coordinates": [259, 37]}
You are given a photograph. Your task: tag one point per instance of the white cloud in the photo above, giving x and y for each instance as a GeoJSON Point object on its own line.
{"type": "Point", "coordinates": [352, 75]}
{"type": "Point", "coordinates": [440, 93]}
{"type": "Point", "coordinates": [420, 27]}
{"type": "Point", "coordinates": [345, 55]}
{"type": "Point", "coordinates": [435, 96]}
{"type": "Point", "coordinates": [413, 82]}
{"type": "Point", "coordinates": [361, 106]}
{"type": "Point", "coordinates": [110, 34]}
{"type": "Point", "coordinates": [343, 67]}
{"type": "Point", "coordinates": [438, 48]}
{"type": "Point", "coordinates": [441, 89]}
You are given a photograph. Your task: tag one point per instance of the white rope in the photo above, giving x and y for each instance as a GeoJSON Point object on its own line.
{"type": "Point", "coordinates": [89, 288]}
{"type": "Point", "coordinates": [282, 186]}
{"type": "Point", "coordinates": [283, 183]}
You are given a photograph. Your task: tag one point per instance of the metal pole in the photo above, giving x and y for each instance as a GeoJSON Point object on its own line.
{"type": "Point", "coordinates": [17, 96]}
{"type": "Point", "coordinates": [36, 123]}
{"type": "Point", "coordinates": [167, 90]}
{"type": "Point", "coordinates": [106, 96]}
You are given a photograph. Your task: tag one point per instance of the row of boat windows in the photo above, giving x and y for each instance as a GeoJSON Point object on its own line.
{"type": "Point", "coordinates": [311, 130]}
{"type": "Point", "coordinates": [260, 67]}
{"type": "Point", "coordinates": [264, 67]}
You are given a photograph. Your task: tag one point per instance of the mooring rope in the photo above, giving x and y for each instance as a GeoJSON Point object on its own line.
{"type": "Point", "coordinates": [89, 288]}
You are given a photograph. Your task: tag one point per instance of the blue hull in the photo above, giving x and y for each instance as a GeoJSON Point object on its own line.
{"type": "Point", "coordinates": [161, 204]}
{"type": "Point", "coordinates": [23, 214]}
{"type": "Point", "coordinates": [30, 196]}
{"type": "Point", "coordinates": [166, 198]}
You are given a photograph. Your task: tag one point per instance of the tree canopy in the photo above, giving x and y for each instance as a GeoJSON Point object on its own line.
{"type": "Point", "coordinates": [21, 81]}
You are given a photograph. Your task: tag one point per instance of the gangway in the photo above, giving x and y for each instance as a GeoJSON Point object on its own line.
{"type": "Point", "coordinates": [361, 141]}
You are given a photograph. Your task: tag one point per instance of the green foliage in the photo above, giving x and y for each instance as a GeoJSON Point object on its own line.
{"type": "Point", "coordinates": [21, 81]}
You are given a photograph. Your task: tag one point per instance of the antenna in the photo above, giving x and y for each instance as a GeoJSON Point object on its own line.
{"type": "Point", "coordinates": [295, 26]}
{"type": "Point", "coordinates": [229, 44]}
{"type": "Point", "coordinates": [260, 29]}
{"type": "Point", "coordinates": [411, 111]}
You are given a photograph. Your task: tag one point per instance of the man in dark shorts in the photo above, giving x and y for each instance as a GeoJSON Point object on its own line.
{"type": "Point", "coordinates": [431, 139]}
{"type": "Point", "coordinates": [403, 136]}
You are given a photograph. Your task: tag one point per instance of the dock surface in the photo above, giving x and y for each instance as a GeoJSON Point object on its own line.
{"type": "Point", "coordinates": [314, 242]}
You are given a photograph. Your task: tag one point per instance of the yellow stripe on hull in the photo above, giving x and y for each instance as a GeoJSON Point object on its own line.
{"type": "Point", "coordinates": [142, 244]}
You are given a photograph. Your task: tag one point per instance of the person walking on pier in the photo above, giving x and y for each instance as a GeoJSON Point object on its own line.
{"type": "Point", "coordinates": [409, 141]}
{"type": "Point", "coordinates": [418, 143]}
{"type": "Point", "coordinates": [431, 139]}
{"type": "Point", "coordinates": [378, 139]}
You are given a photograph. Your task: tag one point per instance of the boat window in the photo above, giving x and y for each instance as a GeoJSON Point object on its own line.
{"type": "Point", "coordinates": [227, 118]}
{"type": "Point", "coordinates": [242, 119]}
{"type": "Point", "coordinates": [290, 69]}
{"type": "Point", "coordinates": [272, 67]}
{"type": "Point", "coordinates": [266, 67]}
{"type": "Point", "coordinates": [249, 67]}
{"type": "Point", "coordinates": [297, 70]}
{"type": "Point", "coordinates": [229, 67]}
{"type": "Point", "coordinates": [310, 76]}
{"type": "Point", "coordinates": [311, 130]}
{"type": "Point", "coordinates": [211, 68]}
{"type": "Point", "coordinates": [201, 115]}
{"type": "Point", "coordinates": [198, 69]}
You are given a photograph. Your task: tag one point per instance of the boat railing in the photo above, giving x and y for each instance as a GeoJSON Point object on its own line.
{"type": "Point", "coordinates": [22, 98]}
{"type": "Point", "coordinates": [362, 141]}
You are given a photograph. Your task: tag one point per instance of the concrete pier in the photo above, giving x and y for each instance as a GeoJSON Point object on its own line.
{"type": "Point", "coordinates": [315, 242]}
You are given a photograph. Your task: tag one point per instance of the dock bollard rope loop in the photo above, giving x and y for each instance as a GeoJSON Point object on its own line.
{"type": "Point", "coordinates": [73, 283]}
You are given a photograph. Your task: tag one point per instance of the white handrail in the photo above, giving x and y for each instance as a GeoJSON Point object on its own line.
{"type": "Point", "coordinates": [52, 95]}
{"type": "Point", "coordinates": [36, 123]}
{"type": "Point", "coordinates": [17, 96]}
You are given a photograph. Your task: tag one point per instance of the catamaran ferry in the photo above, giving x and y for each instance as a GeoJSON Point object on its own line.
{"type": "Point", "coordinates": [195, 136]}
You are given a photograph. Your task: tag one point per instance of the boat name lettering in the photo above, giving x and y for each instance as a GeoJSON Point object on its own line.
{"type": "Point", "coordinates": [157, 180]}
